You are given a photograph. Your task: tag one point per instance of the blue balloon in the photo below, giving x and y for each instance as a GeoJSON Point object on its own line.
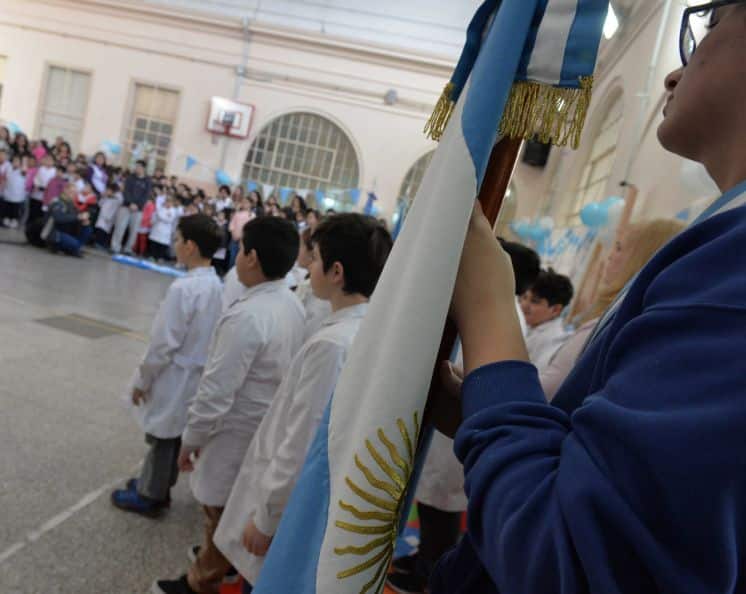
{"type": "Point", "coordinates": [222, 178]}
{"type": "Point", "coordinates": [594, 215]}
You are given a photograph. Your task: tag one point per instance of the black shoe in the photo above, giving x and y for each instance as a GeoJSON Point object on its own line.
{"type": "Point", "coordinates": [231, 576]}
{"type": "Point", "coordinates": [180, 586]}
{"type": "Point", "coordinates": [407, 583]}
{"type": "Point", "coordinates": [406, 564]}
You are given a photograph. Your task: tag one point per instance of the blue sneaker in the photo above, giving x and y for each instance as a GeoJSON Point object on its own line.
{"type": "Point", "coordinates": [129, 500]}
{"type": "Point", "coordinates": [131, 485]}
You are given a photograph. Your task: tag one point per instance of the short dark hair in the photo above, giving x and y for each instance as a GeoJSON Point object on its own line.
{"type": "Point", "coordinates": [113, 186]}
{"type": "Point", "coordinates": [555, 288]}
{"type": "Point", "coordinates": [203, 231]}
{"type": "Point", "coordinates": [526, 264]}
{"type": "Point", "coordinates": [358, 242]}
{"type": "Point", "coordinates": [224, 187]}
{"type": "Point", "coordinates": [276, 243]}
{"type": "Point", "coordinates": [141, 162]}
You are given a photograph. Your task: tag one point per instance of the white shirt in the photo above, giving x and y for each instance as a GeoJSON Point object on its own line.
{"type": "Point", "coordinates": [179, 340]}
{"type": "Point", "coordinates": [253, 345]}
{"type": "Point", "coordinates": [98, 179]}
{"type": "Point", "coordinates": [317, 310]}
{"type": "Point", "coordinates": [108, 208]}
{"type": "Point", "coordinates": [441, 483]}
{"type": "Point", "coordinates": [544, 340]}
{"type": "Point", "coordinates": [277, 453]}
{"type": "Point", "coordinates": [162, 223]}
{"type": "Point", "coordinates": [43, 176]}
{"type": "Point", "coordinates": [221, 205]}
{"type": "Point", "coordinates": [5, 169]}
{"type": "Point", "coordinates": [15, 186]}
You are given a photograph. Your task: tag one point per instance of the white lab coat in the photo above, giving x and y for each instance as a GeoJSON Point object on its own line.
{"type": "Point", "coordinates": [253, 345]}
{"type": "Point", "coordinates": [277, 453]}
{"type": "Point", "coordinates": [233, 289]}
{"type": "Point", "coordinates": [317, 310]}
{"type": "Point", "coordinates": [441, 483]}
{"type": "Point", "coordinates": [108, 209]}
{"type": "Point", "coordinates": [163, 224]}
{"type": "Point", "coordinates": [560, 365]}
{"type": "Point", "coordinates": [15, 186]}
{"type": "Point", "coordinates": [173, 363]}
{"type": "Point", "coordinates": [544, 340]}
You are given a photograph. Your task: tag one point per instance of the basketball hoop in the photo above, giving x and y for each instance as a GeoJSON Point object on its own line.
{"type": "Point", "coordinates": [229, 118]}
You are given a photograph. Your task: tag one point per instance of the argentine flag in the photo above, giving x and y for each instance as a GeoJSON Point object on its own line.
{"type": "Point", "coordinates": [526, 71]}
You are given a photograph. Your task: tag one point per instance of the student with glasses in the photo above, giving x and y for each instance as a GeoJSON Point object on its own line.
{"type": "Point", "coordinates": [634, 480]}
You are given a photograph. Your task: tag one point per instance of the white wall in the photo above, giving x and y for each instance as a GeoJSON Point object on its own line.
{"type": "Point", "coordinates": [120, 43]}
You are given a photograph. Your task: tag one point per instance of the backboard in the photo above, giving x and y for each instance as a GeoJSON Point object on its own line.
{"type": "Point", "coordinates": [229, 118]}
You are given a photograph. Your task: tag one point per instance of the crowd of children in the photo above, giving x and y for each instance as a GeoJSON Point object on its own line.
{"type": "Point", "coordinates": [129, 212]}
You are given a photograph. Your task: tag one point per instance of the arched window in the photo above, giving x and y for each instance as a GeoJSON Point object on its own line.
{"type": "Point", "coordinates": [303, 151]}
{"type": "Point", "coordinates": [414, 177]}
{"type": "Point", "coordinates": [597, 170]}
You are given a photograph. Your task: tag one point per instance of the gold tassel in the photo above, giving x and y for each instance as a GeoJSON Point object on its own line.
{"type": "Point", "coordinates": [437, 123]}
{"type": "Point", "coordinates": [548, 113]}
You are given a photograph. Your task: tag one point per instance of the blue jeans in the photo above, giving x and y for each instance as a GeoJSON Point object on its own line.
{"type": "Point", "coordinates": [247, 588]}
{"type": "Point", "coordinates": [69, 243]}
{"type": "Point", "coordinates": [232, 253]}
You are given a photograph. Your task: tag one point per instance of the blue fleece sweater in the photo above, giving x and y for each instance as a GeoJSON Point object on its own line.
{"type": "Point", "coordinates": [636, 481]}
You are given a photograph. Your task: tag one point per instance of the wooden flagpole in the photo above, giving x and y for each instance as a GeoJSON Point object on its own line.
{"type": "Point", "coordinates": [491, 195]}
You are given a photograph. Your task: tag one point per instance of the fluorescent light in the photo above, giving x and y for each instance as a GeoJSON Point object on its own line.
{"type": "Point", "coordinates": [611, 26]}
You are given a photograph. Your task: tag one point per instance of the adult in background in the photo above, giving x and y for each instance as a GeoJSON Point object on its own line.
{"type": "Point", "coordinates": [97, 174]}
{"type": "Point", "coordinates": [137, 189]}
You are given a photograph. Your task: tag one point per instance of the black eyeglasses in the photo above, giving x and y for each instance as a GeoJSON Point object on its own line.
{"type": "Point", "coordinates": [695, 24]}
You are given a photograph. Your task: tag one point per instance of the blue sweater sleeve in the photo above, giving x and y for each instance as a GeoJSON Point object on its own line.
{"type": "Point", "coordinates": [642, 490]}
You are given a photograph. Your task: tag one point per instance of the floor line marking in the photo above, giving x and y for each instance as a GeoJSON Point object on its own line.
{"type": "Point", "coordinates": [57, 520]}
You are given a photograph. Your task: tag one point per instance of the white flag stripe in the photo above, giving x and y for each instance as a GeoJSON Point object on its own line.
{"type": "Point", "coordinates": [551, 42]}
{"type": "Point", "coordinates": [397, 344]}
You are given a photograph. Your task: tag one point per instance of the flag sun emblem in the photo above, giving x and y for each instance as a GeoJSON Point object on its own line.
{"type": "Point", "coordinates": [378, 518]}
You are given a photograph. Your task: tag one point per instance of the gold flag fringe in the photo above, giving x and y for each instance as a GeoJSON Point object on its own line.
{"type": "Point", "coordinates": [551, 114]}
{"type": "Point", "coordinates": [437, 123]}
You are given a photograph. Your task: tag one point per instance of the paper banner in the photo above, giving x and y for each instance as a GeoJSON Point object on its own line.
{"type": "Point", "coordinates": [267, 190]}
{"type": "Point", "coordinates": [370, 204]}
{"type": "Point", "coordinates": [355, 196]}
{"type": "Point", "coordinates": [284, 193]}
{"type": "Point", "coordinates": [111, 147]}
{"type": "Point", "coordinates": [13, 128]}
{"type": "Point", "coordinates": [251, 186]}
{"type": "Point", "coordinates": [190, 162]}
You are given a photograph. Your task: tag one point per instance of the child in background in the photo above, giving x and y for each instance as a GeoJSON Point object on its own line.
{"type": "Point", "coordinates": [349, 253]}
{"type": "Point", "coordinates": [74, 177]}
{"type": "Point", "coordinates": [14, 194]}
{"type": "Point", "coordinates": [32, 168]}
{"type": "Point", "coordinates": [542, 305]}
{"type": "Point", "coordinates": [46, 172]}
{"type": "Point", "coordinates": [317, 310]}
{"type": "Point", "coordinates": [242, 216]}
{"type": "Point", "coordinates": [56, 185]}
{"type": "Point", "coordinates": [168, 376]}
{"type": "Point", "coordinates": [86, 198]}
{"type": "Point", "coordinates": [161, 232]}
{"type": "Point", "coordinates": [251, 350]}
{"type": "Point", "coordinates": [146, 224]}
{"type": "Point", "coordinates": [108, 208]}
{"type": "Point", "coordinates": [5, 168]}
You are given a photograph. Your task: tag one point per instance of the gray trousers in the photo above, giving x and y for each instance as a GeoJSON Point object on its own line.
{"type": "Point", "coordinates": [125, 219]}
{"type": "Point", "coordinates": [159, 471]}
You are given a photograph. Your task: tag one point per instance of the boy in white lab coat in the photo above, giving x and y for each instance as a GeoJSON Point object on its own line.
{"type": "Point", "coordinates": [168, 376]}
{"type": "Point", "coordinates": [542, 305]}
{"type": "Point", "coordinates": [349, 253]}
{"type": "Point", "coordinates": [254, 343]}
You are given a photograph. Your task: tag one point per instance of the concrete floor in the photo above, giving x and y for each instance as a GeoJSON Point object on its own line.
{"type": "Point", "coordinates": [65, 437]}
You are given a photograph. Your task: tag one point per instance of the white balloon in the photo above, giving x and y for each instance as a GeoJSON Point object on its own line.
{"type": "Point", "coordinates": [615, 214]}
